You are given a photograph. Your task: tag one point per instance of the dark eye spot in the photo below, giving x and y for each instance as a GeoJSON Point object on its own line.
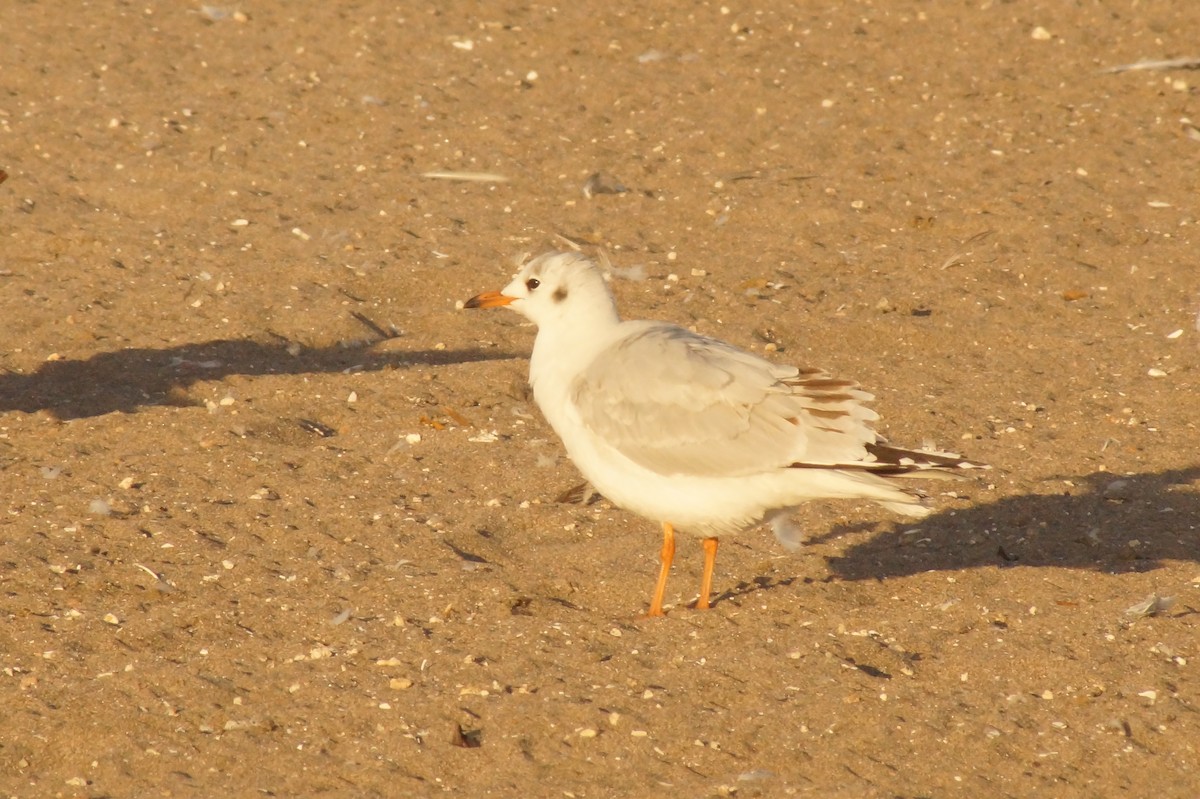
{"type": "Point", "coordinates": [532, 283]}
{"type": "Point", "coordinates": [559, 294]}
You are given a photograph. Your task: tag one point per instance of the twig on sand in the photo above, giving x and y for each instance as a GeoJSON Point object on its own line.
{"type": "Point", "coordinates": [472, 177]}
{"type": "Point", "coordinates": [1170, 63]}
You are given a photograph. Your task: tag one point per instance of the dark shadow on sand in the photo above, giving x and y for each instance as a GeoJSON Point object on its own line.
{"type": "Point", "coordinates": [1104, 522]}
{"type": "Point", "coordinates": [126, 380]}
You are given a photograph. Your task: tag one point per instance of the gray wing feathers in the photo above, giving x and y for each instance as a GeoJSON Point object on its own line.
{"type": "Point", "coordinates": [679, 403]}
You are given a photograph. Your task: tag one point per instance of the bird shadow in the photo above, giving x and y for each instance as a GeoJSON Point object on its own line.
{"type": "Point", "coordinates": [128, 379]}
{"type": "Point", "coordinates": [1101, 522]}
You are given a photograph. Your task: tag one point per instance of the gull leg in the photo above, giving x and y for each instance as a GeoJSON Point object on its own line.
{"type": "Point", "coordinates": [710, 560]}
{"type": "Point", "coordinates": [666, 556]}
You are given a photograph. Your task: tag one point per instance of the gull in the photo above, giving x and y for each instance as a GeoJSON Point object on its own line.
{"type": "Point", "coordinates": [694, 433]}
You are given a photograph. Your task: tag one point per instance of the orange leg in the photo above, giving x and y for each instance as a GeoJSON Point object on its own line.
{"type": "Point", "coordinates": [666, 556]}
{"type": "Point", "coordinates": [710, 560]}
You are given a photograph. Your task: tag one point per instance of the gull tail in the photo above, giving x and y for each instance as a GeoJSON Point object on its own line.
{"type": "Point", "coordinates": [885, 460]}
{"type": "Point", "coordinates": [876, 477]}
{"type": "Point", "coordinates": [927, 463]}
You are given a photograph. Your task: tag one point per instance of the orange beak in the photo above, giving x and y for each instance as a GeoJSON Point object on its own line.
{"type": "Point", "coordinates": [488, 299]}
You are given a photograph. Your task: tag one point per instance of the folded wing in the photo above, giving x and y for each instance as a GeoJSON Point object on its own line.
{"type": "Point", "coordinates": [679, 403]}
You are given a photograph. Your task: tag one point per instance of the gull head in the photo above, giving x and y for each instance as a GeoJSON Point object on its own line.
{"type": "Point", "coordinates": [557, 287]}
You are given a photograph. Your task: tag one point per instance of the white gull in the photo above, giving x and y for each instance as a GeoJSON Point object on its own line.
{"type": "Point", "coordinates": [692, 432]}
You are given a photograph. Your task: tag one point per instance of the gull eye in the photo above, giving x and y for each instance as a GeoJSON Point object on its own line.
{"type": "Point", "coordinates": [532, 283]}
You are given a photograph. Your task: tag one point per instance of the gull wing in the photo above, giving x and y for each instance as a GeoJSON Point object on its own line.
{"type": "Point", "coordinates": [680, 403]}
